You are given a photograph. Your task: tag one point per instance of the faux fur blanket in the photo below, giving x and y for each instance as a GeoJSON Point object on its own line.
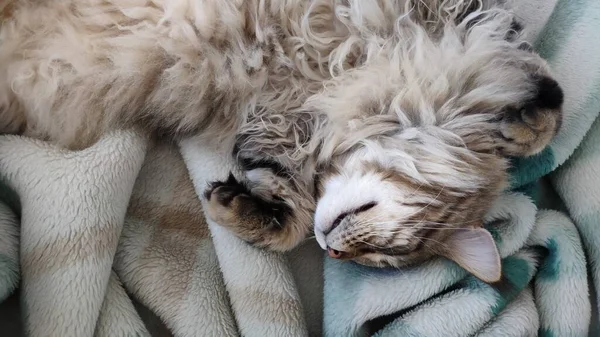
{"type": "Point", "coordinates": [112, 241]}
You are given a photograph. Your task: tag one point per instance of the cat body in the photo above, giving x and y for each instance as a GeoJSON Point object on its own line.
{"type": "Point", "coordinates": [386, 123]}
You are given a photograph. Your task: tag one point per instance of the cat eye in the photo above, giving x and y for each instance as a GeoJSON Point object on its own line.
{"type": "Point", "coordinates": [365, 207]}
{"type": "Point", "coordinates": [339, 219]}
{"type": "Point", "coordinates": [362, 208]}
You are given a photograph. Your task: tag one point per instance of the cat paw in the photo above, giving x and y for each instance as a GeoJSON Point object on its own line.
{"type": "Point", "coordinates": [260, 221]}
{"type": "Point", "coordinates": [528, 129]}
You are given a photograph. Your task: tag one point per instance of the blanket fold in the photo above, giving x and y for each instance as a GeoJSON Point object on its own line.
{"type": "Point", "coordinates": [112, 240]}
{"type": "Point", "coordinates": [260, 284]}
{"type": "Point", "coordinates": [165, 257]}
{"type": "Point", "coordinates": [118, 316]}
{"type": "Point", "coordinates": [9, 251]}
{"type": "Point", "coordinates": [467, 305]}
{"type": "Point", "coordinates": [66, 250]}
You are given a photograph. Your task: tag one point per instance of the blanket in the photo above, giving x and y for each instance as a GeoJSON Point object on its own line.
{"type": "Point", "coordinates": [112, 240]}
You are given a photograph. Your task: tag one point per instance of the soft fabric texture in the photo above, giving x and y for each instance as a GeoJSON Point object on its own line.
{"type": "Point", "coordinates": [112, 240]}
{"type": "Point", "coordinates": [72, 210]}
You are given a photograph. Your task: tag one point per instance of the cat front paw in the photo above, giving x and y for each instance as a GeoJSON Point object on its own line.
{"type": "Point", "coordinates": [263, 222]}
{"type": "Point", "coordinates": [527, 129]}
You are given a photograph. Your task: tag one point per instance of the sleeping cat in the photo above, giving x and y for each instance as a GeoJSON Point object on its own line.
{"type": "Point", "coordinates": [387, 123]}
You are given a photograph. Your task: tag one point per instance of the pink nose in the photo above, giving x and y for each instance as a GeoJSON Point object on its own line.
{"type": "Point", "coordinates": [336, 254]}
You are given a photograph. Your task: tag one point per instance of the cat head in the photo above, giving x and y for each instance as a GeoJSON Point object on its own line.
{"type": "Point", "coordinates": [398, 201]}
{"type": "Point", "coordinates": [416, 146]}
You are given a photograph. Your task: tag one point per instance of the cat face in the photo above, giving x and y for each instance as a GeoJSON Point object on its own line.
{"type": "Point", "coordinates": [372, 212]}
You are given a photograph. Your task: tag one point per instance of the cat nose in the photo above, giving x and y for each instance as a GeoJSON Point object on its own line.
{"type": "Point", "coordinates": [336, 254]}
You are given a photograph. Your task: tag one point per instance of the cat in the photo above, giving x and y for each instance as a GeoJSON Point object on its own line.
{"type": "Point", "coordinates": [386, 123]}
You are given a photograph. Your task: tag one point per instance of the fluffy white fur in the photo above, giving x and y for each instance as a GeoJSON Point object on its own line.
{"type": "Point", "coordinates": [434, 92]}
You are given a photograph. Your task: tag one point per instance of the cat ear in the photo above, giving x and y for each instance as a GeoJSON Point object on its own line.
{"type": "Point", "coordinates": [474, 249]}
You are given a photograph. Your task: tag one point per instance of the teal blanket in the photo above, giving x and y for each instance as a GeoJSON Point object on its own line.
{"type": "Point", "coordinates": [545, 288]}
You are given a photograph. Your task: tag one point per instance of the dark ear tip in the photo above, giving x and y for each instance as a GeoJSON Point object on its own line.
{"type": "Point", "coordinates": [550, 95]}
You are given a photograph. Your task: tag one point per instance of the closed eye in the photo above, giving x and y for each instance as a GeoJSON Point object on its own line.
{"type": "Point", "coordinates": [365, 207]}
{"type": "Point", "coordinates": [360, 209]}
{"type": "Point", "coordinates": [339, 219]}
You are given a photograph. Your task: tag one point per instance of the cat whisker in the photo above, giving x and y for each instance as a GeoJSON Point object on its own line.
{"type": "Point", "coordinates": [369, 244]}
{"type": "Point", "coordinates": [439, 228]}
{"type": "Point", "coordinates": [416, 189]}
{"type": "Point", "coordinates": [373, 218]}
{"type": "Point", "coordinates": [430, 202]}
{"type": "Point", "coordinates": [429, 239]}
{"type": "Point", "coordinates": [437, 223]}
